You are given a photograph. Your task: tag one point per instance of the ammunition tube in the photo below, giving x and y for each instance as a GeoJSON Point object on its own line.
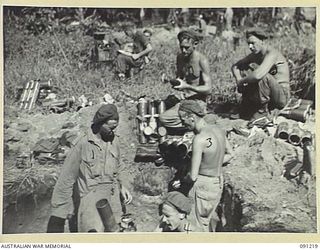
{"type": "Point", "coordinates": [142, 107]}
{"type": "Point", "coordinates": [295, 136]}
{"type": "Point", "coordinates": [297, 114]}
{"type": "Point", "coordinates": [162, 132]}
{"type": "Point", "coordinates": [106, 215]}
{"type": "Point", "coordinates": [306, 137]}
{"type": "Point", "coordinates": [45, 84]}
{"type": "Point", "coordinates": [161, 107]}
{"type": "Point", "coordinates": [282, 131]}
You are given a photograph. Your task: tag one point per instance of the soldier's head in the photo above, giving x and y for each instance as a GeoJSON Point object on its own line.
{"type": "Point", "coordinates": [256, 40]}
{"type": "Point", "coordinates": [174, 209]}
{"type": "Point", "coordinates": [188, 41]}
{"type": "Point", "coordinates": [190, 113]}
{"type": "Point", "coordinates": [129, 30]}
{"type": "Point", "coordinates": [105, 121]}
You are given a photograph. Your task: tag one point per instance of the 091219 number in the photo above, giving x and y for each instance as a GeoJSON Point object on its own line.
{"type": "Point", "coordinates": [309, 246]}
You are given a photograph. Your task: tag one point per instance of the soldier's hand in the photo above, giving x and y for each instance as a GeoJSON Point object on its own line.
{"type": "Point", "coordinates": [126, 195]}
{"type": "Point", "coordinates": [135, 56]}
{"type": "Point", "coordinates": [182, 85]}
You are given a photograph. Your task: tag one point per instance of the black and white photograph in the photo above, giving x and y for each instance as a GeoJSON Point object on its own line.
{"type": "Point", "coordinates": [126, 120]}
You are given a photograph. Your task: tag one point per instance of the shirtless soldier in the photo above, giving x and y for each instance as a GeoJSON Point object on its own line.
{"type": "Point", "coordinates": [193, 72]}
{"type": "Point", "coordinates": [267, 86]}
{"type": "Point", "coordinates": [208, 154]}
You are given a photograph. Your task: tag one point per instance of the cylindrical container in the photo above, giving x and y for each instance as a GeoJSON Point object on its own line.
{"type": "Point", "coordinates": [148, 131]}
{"type": "Point", "coordinates": [298, 114]}
{"type": "Point", "coordinates": [45, 84]}
{"type": "Point", "coordinates": [309, 158]}
{"type": "Point", "coordinates": [161, 107]}
{"type": "Point", "coordinates": [106, 215]}
{"type": "Point", "coordinates": [162, 132]}
{"type": "Point", "coordinates": [282, 131]}
{"type": "Point", "coordinates": [151, 107]}
{"type": "Point", "coordinates": [140, 126]}
{"type": "Point", "coordinates": [306, 137]}
{"type": "Point", "coordinates": [295, 136]}
{"type": "Point", "coordinates": [142, 107]}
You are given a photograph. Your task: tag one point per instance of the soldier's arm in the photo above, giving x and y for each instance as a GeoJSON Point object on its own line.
{"type": "Point", "coordinates": [62, 203]}
{"type": "Point", "coordinates": [146, 51]}
{"type": "Point", "coordinates": [241, 65]}
{"type": "Point", "coordinates": [262, 69]}
{"type": "Point", "coordinates": [206, 87]}
{"type": "Point", "coordinates": [197, 150]}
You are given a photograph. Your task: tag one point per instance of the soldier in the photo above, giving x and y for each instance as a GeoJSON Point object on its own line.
{"type": "Point", "coordinates": [93, 164]}
{"type": "Point", "coordinates": [193, 73]}
{"type": "Point", "coordinates": [266, 86]}
{"type": "Point", "coordinates": [174, 214]}
{"type": "Point", "coordinates": [210, 150]}
{"type": "Point", "coordinates": [141, 47]}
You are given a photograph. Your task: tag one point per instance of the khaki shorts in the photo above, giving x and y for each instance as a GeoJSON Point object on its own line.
{"type": "Point", "coordinates": [206, 194]}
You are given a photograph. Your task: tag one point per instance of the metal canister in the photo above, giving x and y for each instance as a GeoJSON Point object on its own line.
{"type": "Point", "coordinates": [306, 137]}
{"type": "Point", "coordinates": [142, 107]}
{"type": "Point", "coordinates": [297, 114]}
{"type": "Point", "coordinates": [282, 131]}
{"type": "Point", "coordinates": [45, 84]}
{"type": "Point", "coordinates": [162, 132]}
{"type": "Point", "coordinates": [295, 136]}
{"type": "Point", "coordinates": [142, 112]}
{"type": "Point", "coordinates": [161, 107]}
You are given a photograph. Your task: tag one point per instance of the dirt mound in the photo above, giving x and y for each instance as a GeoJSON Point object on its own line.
{"type": "Point", "coordinates": [269, 202]}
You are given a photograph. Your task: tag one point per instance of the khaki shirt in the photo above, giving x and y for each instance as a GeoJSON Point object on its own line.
{"type": "Point", "coordinates": [91, 162]}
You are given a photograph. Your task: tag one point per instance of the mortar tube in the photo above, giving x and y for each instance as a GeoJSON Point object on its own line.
{"type": "Point", "coordinates": [106, 215]}
{"type": "Point", "coordinates": [295, 136]}
{"type": "Point", "coordinates": [282, 131]}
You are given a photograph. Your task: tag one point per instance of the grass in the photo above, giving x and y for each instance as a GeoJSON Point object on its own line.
{"type": "Point", "coordinates": [65, 59]}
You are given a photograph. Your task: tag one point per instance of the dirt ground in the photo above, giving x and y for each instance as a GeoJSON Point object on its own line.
{"type": "Point", "coordinates": [257, 197]}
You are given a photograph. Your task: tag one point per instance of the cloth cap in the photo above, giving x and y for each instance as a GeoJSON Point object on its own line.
{"type": "Point", "coordinates": [191, 106]}
{"type": "Point", "coordinates": [189, 33]}
{"type": "Point", "coordinates": [105, 113]}
{"type": "Point", "coordinates": [257, 32]}
{"type": "Point", "coordinates": [181, 202]}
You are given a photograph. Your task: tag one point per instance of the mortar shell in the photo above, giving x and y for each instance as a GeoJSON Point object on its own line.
{"type": "Point", "coordinates": [297, 114]}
